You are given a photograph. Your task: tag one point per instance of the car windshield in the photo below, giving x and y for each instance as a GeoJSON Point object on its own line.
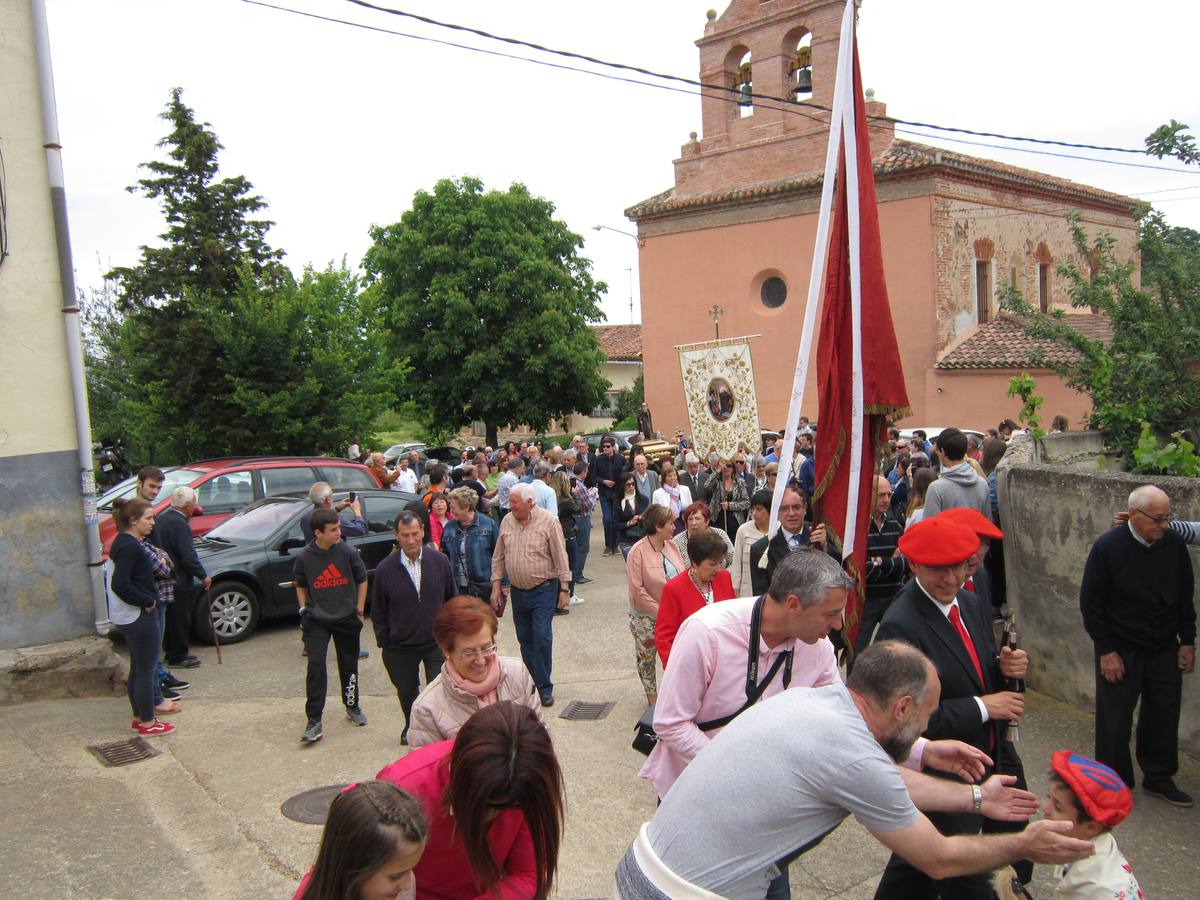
{"type": "Point", "coordinates": [128, 487]}
{"type": "Point", "coordinates": [254, 523]}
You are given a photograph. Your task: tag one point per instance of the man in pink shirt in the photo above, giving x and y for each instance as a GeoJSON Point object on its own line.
{"type": "Point", "coordinates": [707, 678]}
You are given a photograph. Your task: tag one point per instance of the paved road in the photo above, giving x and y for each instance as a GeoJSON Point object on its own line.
{"type": "Point", "coordinates": [202, 820]}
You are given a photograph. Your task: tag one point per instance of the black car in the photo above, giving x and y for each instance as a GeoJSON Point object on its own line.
{"type": "Point", "coordinates": [250, 558]}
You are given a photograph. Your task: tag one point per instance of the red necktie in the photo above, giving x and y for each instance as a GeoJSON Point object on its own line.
{"type": "Point", "coordinates": [969, 585]}
{"type": "Point", "coordinates": [956, 621]}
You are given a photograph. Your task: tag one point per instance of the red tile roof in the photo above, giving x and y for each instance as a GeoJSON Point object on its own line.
{"type": "Point", "coordinates": [620, 342]}
{"type": "Point", "coordinates": [1003, 343]}
{"type": "Point", "coordinates": [901, 159]}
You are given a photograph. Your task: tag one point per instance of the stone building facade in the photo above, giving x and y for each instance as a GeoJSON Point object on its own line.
{"type": "Point", "coordinates": [737, 228]}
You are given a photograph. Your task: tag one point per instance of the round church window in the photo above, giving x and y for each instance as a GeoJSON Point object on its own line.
{"type": "Point", "coordinates": [773, 292]}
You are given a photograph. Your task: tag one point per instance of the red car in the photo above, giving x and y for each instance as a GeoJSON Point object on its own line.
{"type": "Point", "coordinates": [223, 486]}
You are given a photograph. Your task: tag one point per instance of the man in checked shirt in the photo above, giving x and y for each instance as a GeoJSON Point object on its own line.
{"type": "Point", "coordinates": [531, 552]}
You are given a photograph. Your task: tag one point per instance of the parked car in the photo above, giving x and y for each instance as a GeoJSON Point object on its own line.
{"type": "Point", "coordinates": [448, 455]}
{"type": "Point", "coordinates": [223, 486]}
{"type": "Point", "coordinates": [250, 557]}
{"type": "Point", "coordinates": [394, 452]}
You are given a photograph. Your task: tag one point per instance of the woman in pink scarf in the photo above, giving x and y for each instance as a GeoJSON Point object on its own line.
{"type": "Point", "coordinates": [473, 675]}
{"type": "Point", "coordinates": [674, 496]}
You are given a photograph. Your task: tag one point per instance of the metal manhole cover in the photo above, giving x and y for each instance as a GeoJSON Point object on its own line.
{"type": "Point", "coordinates": [311, 807]}
{"type": "Point", "coordinates": [122, 753]}
{"type": "Point", "coordinates": [585, 710]}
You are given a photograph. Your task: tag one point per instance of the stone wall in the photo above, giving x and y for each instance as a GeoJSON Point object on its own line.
{"type": "Point", "coordinates": [1051, 516]}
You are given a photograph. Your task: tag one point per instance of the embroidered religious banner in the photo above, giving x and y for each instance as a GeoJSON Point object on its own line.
{"type": "Point", "coordinates": [718, 386]}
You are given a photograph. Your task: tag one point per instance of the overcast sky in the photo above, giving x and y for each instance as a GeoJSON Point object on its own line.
{"type": "Point", "coordinates": [337, 127]}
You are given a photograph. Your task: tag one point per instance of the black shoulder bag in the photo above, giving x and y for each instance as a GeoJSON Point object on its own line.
{"type": "Point", "coordinates": [644, 737]}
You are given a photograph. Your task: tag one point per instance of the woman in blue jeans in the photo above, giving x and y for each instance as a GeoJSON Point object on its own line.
{"type": "Point", "coordinates": [133, 607]}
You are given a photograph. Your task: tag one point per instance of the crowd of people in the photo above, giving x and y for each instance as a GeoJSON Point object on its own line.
{"type": "Point", "coordinates": [914, 739]}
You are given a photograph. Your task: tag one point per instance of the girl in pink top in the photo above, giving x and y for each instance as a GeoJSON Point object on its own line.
{"type": "Point", "coordinates": [494, 800]}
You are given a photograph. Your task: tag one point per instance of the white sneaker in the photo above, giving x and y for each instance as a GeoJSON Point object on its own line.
{"type": "Point", "coordinates": [575, 600]}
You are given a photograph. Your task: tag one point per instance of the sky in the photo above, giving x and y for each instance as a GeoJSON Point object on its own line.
{"type": "Point", "coordinates": [337, 127]}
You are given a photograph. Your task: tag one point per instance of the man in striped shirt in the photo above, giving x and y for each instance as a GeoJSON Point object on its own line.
{"type": "Point", "coordinates": [531, 552]}
{"type": "Point", "coordinates": [886, 568]}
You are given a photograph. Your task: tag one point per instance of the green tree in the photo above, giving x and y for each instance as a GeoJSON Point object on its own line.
{"type": "Point", "coordinates": [487, 297]}
{"type": "Point", "coordinates": [628, 401]}
{"type": "Point", "coordinates": [211, 237]}
{"type": "Point", "coordinates": [209, 346]}
{"type": "Point", "coordinates": [302, 372]}
{"type": "Point", "coordinates": [1146, 372]}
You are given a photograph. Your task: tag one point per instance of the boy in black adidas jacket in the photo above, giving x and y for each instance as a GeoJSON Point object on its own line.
{"type": "Point", "coordinates": [331, 586]}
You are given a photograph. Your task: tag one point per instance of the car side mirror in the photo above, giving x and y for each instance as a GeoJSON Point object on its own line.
{"type": "Point", "coordinates": [197, 511]}
{"type": "Point", "coordinates": [290, 544]}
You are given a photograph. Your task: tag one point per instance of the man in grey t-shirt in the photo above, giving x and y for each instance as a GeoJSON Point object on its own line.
{"type": "Point", "coordinates": [786, 772]}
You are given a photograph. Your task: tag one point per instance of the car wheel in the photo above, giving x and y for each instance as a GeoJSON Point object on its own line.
{"type": "Point", "coordinates": [231, 611]}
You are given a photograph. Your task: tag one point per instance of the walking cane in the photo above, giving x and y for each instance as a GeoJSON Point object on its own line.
{"type": "Point", "coordinates": [208, 612]}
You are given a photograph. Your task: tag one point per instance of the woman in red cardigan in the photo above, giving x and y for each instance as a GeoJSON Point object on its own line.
{"type": "Point", "coordinates": [494, 800]}
{"type": "Point", "coordinates": [705, 582]}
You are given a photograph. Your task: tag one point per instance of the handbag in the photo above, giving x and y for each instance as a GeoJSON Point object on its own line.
{"type": "Point", "coordinates": [644, 736]}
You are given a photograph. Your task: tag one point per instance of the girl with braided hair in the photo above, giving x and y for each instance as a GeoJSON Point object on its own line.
{"type": "Point", "coordinates": [374, 836]}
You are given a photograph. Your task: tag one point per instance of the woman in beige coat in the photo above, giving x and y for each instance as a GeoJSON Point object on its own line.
{"type": "Point", "coordinates": [652, 562]}
{"type": "Point", "coordinates": [472, 676]}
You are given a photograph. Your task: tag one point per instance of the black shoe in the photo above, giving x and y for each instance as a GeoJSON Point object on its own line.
{"type": "Point", "coordinates": [175, 684]}
{"type": "Point", "coordinates": [188, 662]}
{"type": "Point", "coordinates": [1167, 791]}
{"type": "Point", "coordinates": [547, 698]}
{"type": "Point", "coordinates": [583, 579]}
{"type": "Point", "coordinates": [170, 694]}
{"type": "Point", "coordinates": [404, 737]}
{"type": "Point", "coordinates": [561, 612]}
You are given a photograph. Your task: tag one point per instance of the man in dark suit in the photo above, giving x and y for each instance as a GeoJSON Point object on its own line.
{"type": "Point", "coordinates": [173, 535]}
{"type": "Point", "coordinates": [793, 533]}
{"type": "Point", "coordinates": [693, 477]}
{"type": "Point", "coordinates": [954, 629]}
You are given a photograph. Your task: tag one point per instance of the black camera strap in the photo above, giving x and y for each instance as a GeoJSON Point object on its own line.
{"type": "Point", "coordinates": [754, 687]}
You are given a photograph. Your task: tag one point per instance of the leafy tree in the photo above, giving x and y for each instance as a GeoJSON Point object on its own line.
{"type": "Point", "coordinates": [1173, 139]}
{"type": "Point", "coordinates": [210, 237]}
{"type": "Point", "coordinates": [629, 400]}
{"type": "Point", "coordinates": [209, 346]}
{"type": "Point", "coordinates": [1146, 372]}
{"type": "Point", "coordinates": [486, 296]}
{"type": "Point", "coordinates": [301, 369]}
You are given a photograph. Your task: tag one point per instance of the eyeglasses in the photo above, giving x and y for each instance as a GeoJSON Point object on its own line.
{"type": "Point", "coordinates": [793, 507]}
{"type": "Point", "coordinates": [957, 567]}
{"type": "Point", "coordinates": [489, 650]}
{"type": "Point", "coordinates": [1157, 520]}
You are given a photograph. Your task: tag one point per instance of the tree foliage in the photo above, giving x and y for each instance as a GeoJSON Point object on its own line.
{"type": "Point", "coordinates": [209, 346]}
{"type": "Point", "coordinates": [628, 401]}
{"type": "Point", "coordinates": [1146, 373]}
{"type": "Point", "coordinates": [211, 239]}
{"type": "Point", "coordinates": [486, 296]}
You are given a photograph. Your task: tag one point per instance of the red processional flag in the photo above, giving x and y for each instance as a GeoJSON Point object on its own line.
{"type": "Point", "coordinates": [860, 383]}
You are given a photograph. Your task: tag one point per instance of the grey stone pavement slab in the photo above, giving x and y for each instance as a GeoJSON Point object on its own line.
{"type": "Point", "coordinates": [203, 820]}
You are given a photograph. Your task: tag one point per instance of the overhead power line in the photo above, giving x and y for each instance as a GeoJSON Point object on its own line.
{"type": "Point", "coordinates": [725, 93]}
{"type": "Point", "coordinates": [716, 87]}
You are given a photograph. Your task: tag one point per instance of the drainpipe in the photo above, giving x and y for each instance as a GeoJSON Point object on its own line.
{"type": "Point", "coordinates": [70, 310]}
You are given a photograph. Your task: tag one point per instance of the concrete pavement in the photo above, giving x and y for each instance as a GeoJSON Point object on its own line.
{"type": "Point", "coordinates": [202, 820]}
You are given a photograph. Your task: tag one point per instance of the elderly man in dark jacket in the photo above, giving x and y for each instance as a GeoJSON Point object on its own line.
{"type": "Point", "coordinates": [411, 585]}
{"type": "Point", "coordinates": [1137, 606]}
{"type": "Point", "coordinates": [173, 534]}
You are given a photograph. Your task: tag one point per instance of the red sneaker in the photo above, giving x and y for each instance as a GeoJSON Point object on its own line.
{"type": "Point", "coordinates": [153, 729]}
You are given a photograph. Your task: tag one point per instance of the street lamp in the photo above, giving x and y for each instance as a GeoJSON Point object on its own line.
{"type": "Point", "coordinates": [641, 243]}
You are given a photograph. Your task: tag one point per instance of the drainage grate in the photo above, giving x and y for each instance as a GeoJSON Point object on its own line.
{"type": "Point", "coordinates": [122, 753]}
{"type": "Point", "coordinates": [586, 710]}
{"type": "Point", "coordinates": [311, 807]}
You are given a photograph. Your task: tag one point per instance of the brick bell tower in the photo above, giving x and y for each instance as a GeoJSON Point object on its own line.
{"type": "Point", "coordinates": [759, 49]}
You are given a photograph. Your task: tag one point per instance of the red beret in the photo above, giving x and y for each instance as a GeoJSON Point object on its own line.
{"type": "Point", "coordinates": [975, 520]}
{"type": "Point", "coordinates": [938, 542]}
{"type": "Point", "coordinates": [1101, 792]}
